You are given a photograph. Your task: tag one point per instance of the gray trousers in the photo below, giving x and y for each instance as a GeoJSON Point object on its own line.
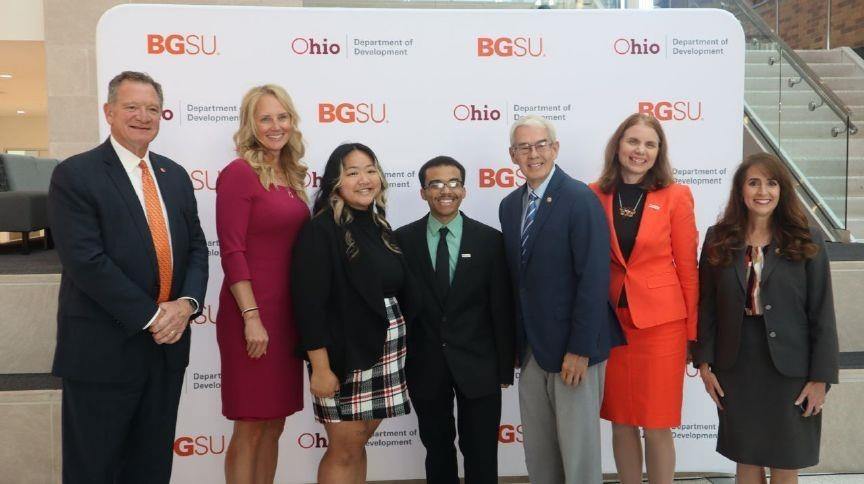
{"type": "Point", "coordinates": [561, 425]}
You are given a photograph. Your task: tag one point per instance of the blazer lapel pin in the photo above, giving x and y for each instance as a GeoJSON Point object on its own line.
{"type": "Point", "coordinates": [548, 199]}
{"type": "Point", "coordinates": [162, 169]}
{"type": "Point", "coordinates": [466, 256]}
{"type": "Point", "coordinates": [654, 206]}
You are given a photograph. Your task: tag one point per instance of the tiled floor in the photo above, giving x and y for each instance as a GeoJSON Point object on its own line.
{"type": "Point", "coordinates": [819, 479]}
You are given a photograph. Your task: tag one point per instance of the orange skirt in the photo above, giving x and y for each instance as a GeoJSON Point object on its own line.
{"type": "Point", "coordinates": [645, 378]}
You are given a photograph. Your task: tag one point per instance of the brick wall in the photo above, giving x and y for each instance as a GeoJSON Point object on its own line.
{"type": "Point", "coordinates": [803, 22]}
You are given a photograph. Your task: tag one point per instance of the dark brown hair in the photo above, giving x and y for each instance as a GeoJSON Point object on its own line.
{"type": "Point", "coordinates": [659, 176]}
{"type": "Point", "coordinates": [789, 227]}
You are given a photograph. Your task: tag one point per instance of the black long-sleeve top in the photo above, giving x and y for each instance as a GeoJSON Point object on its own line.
{"type": "Point", "coordinates": [339, 300]}
{"type": "Point", "coordinates": [626, 228]}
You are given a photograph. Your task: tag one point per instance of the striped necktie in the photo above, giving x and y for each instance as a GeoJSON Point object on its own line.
{"type": "Point", "coordinates": [529, 219]}
{"type": "Point", "coordinates": [158, 231]}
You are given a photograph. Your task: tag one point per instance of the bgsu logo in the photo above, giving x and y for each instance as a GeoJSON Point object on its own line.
{"type": "Point", "coordinates": [176, 44]}
{"type": "Point", "coordinates": [206, 316]}
{"type": "Point", "coordinates": [508, 434]}
{"type": "Point", "coordinates": [509, 47]}
{"type": "Point", "coordinates": [307, 440]}
{"type": "Point", "coordinates": [502, 177]}
{"type": "Point", "coordinates": [311, 46]}
{"type": "Point", "coordinates": [472, 112]}
{"type": "Point", "coordinates": [349, 113]}
{"type": "Point", "coordinates": [201, 445]}
{"type": "Point", "coordinates": [672, 110]}
{"type": "Point", "coordinates": [203, 179]}
{"type": "Point", "coordinates": [632, 47]}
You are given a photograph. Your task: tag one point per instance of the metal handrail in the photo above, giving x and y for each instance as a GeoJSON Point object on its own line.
{"type": "Point", "coordinates": [800, 65]}
{"type": "Point", "coordinates": [817, 206]}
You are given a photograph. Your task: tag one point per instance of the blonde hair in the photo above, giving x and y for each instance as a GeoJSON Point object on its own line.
{"type": "Point", "coordinates": [250, 149]}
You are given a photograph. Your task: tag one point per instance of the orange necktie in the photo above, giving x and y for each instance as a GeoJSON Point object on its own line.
{"type": "Point", "coordinates": [158, 230]}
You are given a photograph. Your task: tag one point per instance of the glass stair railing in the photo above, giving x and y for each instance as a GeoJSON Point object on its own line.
{"type": "Point", "coordinates": [802, 120]}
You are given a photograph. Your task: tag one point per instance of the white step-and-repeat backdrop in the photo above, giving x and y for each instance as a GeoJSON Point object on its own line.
{"type": "Point", "coordinates": [413, 84]}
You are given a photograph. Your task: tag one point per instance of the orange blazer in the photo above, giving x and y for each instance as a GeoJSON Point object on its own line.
{"type": "Point", "coordinates": [661, 276]}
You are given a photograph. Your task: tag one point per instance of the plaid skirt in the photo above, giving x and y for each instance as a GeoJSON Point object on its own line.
{"type": "Point", "coordinates": [377, 392]}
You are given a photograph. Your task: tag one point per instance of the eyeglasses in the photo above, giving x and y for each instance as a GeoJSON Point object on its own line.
{"type": "Point", "coordinates": [541, 146]}
{"type": "Point", "coordinates": [439, 185]}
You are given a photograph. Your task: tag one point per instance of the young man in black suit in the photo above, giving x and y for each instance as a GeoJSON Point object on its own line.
{"type": "Point", "coordinates": [462, 344]}
{"type": "Point", "coordinates": [134, 257]}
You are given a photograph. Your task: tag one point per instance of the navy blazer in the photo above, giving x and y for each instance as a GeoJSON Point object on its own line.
{"type": "Point", "coordinates": [110, 278]}
{"type": "Point", "coordinates": [562, 290]}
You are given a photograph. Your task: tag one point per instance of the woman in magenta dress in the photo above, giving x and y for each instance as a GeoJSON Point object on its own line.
{"type": "Point", "coordinates": [260, 208]}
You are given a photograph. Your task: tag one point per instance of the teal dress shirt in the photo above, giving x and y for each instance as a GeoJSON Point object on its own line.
{"type": "Point", "coordinates": [454, 239]}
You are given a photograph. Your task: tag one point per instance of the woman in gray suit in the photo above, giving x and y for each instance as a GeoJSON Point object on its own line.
{"type": "Point", "coordinates": [767, 341]}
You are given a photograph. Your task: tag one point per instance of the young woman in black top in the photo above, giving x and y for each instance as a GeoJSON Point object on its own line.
{"type": "Point", "coordinates": [348, 280]}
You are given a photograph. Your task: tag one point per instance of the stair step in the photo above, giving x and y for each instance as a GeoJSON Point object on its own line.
{"type": "Point", "coordinates": [800, 129]}
{"type": "Point", "coordinates": [828, 146]}
{"type": "Point", "coordinates": [836, 185]}
{"type": "Point", "coordinates": [844, 83]}
{"type": "Point", "coordinates": [838, 70]}
{"type": "Point", "coordinates": [820, 56]}
{"type": "Point", "coordinates": [829, 165]}
{"type": "Point", "coordinates": [809, 56]}
{"type": "Point", "coordinates": [822, 70]}
{"type": "Point", "coordinates": [795, 113]}
{"type": "Point", "coordinates": [800, 95]}
{"type": "Point", "coordinates": [774, 83]}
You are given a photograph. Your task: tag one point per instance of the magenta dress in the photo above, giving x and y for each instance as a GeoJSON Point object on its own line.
{"type": "Point", "coordinates": [257, 229]}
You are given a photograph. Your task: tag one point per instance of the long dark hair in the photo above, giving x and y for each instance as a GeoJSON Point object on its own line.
{"type": "Point", "coordinates": [789, 227]}
{"type": "Point", "coordinates": [659, 176]}
{"type": "Point", "coordinates": [328, 198]}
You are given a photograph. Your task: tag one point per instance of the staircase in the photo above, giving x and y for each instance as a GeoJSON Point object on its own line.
{"type": "Point", "coordinates": [842, 70]}
{"type": "Point", "coordinates": [805, 129]}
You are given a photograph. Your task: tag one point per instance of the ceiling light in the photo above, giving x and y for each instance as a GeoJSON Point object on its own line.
{"type": "Point", "coordinates": [5, 76]}
{"type": "Point", "coordinates": [20, 111]}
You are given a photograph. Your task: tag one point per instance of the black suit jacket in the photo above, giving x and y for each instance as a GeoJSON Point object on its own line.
{"type": "Point", "coordinates": [471, 332]}
{"type": "Point", "coordinates": [798, 310]}
{"type": "Point", "coordinates": [110, 278]}
{"type": "Point", "coordinates": [339, 303]}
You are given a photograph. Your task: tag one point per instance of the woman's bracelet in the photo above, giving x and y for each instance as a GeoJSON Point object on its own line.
{"type": "Point", "coordinates": [248, 310]}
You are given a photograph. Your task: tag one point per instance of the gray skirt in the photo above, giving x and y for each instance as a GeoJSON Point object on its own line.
{"type": "Point", "coordinates": [760, 424]}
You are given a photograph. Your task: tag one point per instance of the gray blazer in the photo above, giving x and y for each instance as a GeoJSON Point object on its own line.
{"type": "Point", "coordinates": [798, 311]}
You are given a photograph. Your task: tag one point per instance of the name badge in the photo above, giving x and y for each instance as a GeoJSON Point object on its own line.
{"type": "Point", "coordinates": [654, 206]}
{"type": "Point", "coordinates": [466, 256]}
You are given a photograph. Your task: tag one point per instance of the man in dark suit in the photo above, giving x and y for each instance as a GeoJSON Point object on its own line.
{"type": "Point", "coordinates": [134, 257]}
{"type": "Point", "coordinates": [462, 343]}
{"type": "Point", "coordinates": [557, 244]}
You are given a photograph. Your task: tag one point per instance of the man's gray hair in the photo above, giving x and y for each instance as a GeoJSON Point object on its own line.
{"type": "Point", "coordinates": [533, 120]}
{"type": "Point", "coordinates": [132, 76]}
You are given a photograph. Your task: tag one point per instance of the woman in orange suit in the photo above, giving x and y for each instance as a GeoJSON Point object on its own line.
{"type": "Point", "coordinates": [655, 289]}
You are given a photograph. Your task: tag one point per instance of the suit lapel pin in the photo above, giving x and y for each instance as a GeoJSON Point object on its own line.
{"type": "Point", "coordinates": [548, 199]}
{"type": "Point", "coordinates": [654, 206]}
{"type": "Point", "coordinates": [162, 169]}
{"type": "Point", "coordinates": [466, 256]}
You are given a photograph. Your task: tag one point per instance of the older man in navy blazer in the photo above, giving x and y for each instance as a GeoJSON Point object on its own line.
{"type": "Point", "coordinates": [557, 243]}
{"type": "Point", "coordinates": [134, 257]}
